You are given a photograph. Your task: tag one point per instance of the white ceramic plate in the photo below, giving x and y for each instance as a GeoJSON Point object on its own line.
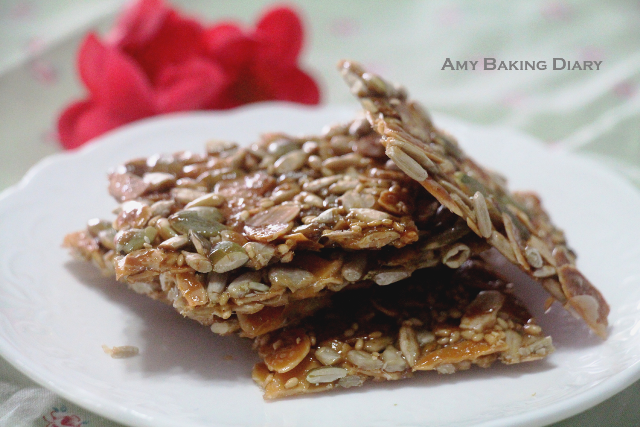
{"type": "Point", "coordinates": [56, 313]}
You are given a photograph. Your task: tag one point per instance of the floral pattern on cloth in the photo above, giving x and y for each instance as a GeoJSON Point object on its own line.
{"type": "Point", "coordinates": [60, 418]}
{"type": "Point", "coordinates": [157, 61]}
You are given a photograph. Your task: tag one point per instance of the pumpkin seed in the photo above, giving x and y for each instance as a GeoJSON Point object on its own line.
{"type": "Point", "coordinates": [227, 256]}
{"type": "Point", "coordinates": [96, 225]}
{"type": "Point", "coordinates": [186, 220]}
{"type": "Point", "coordinates": [127, 241]}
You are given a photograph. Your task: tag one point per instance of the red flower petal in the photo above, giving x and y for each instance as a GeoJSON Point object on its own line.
{"type": "Point", "coordinates": [91, 60]}
{"type": "Point", "coordinates": [281, 36]}
{"type": "Point", "coordinates": [228, 45]}
{"type": "Point", "coordinates": [291, 84]}
{"type": "Point", "coordinates": [138, 23]}
{"type": "Point", "coordinates": [176, 41]}
{"type": "Point", "coordinates": [83, 121]}
{"type": "Point", "coordinates": [159, 61]}
{"type": "Point", "coordinates": [190, 86]}
{"type": "Point", "coordinates": [114, 81]}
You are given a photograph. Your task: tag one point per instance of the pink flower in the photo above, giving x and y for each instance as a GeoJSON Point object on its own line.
{"type": "Point", "coordinates": [61, 419]}
{"type": "Point", "coordinates": [156, 61]}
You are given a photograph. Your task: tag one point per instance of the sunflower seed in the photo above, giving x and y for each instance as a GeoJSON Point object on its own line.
{"type": "Point", "coordinates": [175, 243]}
{"type": "Point", "coordinates": [406, 163]}
{"type": "Point", "coordinates": [503, 246]}
{"type": "Point", "coordinates": [545, 271]}
{"type": "Point", "coordinates": [393, 360]}
{"type": "Point", "coordinates": [107, 237]}
{"type": "Point", "coordinates": [482, 313]}
{"type": "Point", "coordinates": [158, 181]}
{"type": "Point", "coordinates": [368, 215]}
{"type": "Point", "coordinates": [354, 268]}
{"type": "Point", "coordinates": [359, 127]}
{"type": "Point", "coordinates": [310, 147]}
{"type": "Point", "coordinates": [216, 147]}
{"type": "Point", "coordinates": [456, 255]}
{"type": "Point", "coordinates": [375, 84]}
{"type": "Point", "coordinates": [216, 284]}
{"type": "Point", "coordinates": [313, 200]}
{"type": "Point", "coordinates": [326, 374]}
{"type": "Point", "coordinates": [161, 208]}
{"type": "Point", "coordinates": [186, 195]}
{"type": "Point", "coordinates": [344, 185]}
{"type": "Point", "coordinates": [121, 352]}
{"type": "Point", "coordinates": [482, 215]}
{"type": "Point", "coordinates": [352, 200]}
{"type": "Point", "coordinates": [377, 239]}
{"type": "Point", "coordinates": [513, 236]}
{"type": "Point", "coordinates": [387, 277]}
{"type": "Point", "coordinates": [259, 253]}
{"type": "Point", "coordinates": [242, 285]}
{"type": "Point", "coordinates": [377, 344]}
{"type": "Point", "coordinates": [364, 360]}
{"type": "Point", "coordinates": [209, 199]}
{"type": "Point", "coordinates": [290, 162]}
{"type": "Point", "coordinates": [342, 162]}
{"type": "Point", "coordinates": [409, 344]}
{"type": "Point", "coordinates": [327, 355]}
{"type": "Point", "coordinates": [225, 328]}
{"type": "Point", "coordinates": [533, 257]}
{"type": "Point", "coordinates": [535, 243]}
{"type": "Point", "coordinates": [199, 263]}
{"type": "Point", "coordinates": [320, 183]}
{"type": "Point", "coordinates": [351, 381]}
{"type": "Point", "coordinates": [164, 228]}
{"type": "Point", "coordinates": [290, 277]}
{"type": "Point", "coordinates": [327, 217]}
{"type": "Point", "coordinates": [280, 147]}
{"type": "Point", "coordinates": [414, 152]}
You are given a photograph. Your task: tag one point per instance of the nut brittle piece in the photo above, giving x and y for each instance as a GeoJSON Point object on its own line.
{"type": "Point", "coordinates": [234, 301]}
{"type": "Point", "coordinates": [196, 237]}
{"type": "Point", "coordinates": [439, 319]}
{"type": "Point", "coordinates": [284, 192]}
{"type": "Point", "coordinates": [517, 226]}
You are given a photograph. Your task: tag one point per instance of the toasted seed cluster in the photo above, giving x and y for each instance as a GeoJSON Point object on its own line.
{"type": "Point", "coordinates": [440, 319]}
{"type": "Point", "coordinates": [514, 224]}
{"type": "Point", "coordinates": [221, 236]}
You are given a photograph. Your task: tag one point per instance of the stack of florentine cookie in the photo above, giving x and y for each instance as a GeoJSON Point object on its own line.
{"type": "Point", "coordinates": [292, 241]}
